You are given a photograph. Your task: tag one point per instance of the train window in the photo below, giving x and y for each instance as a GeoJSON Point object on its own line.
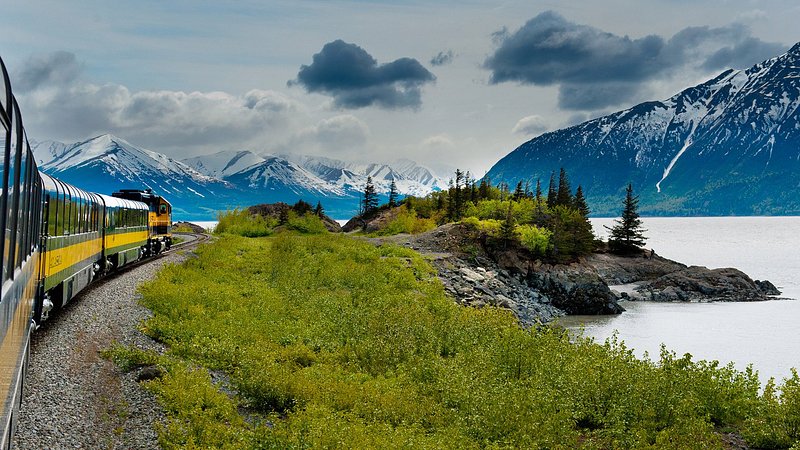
{"type": "Point", "coordinates": [22, 210]}
{"type": "Point", "coordinates": [4, 137]}
{"type": "Point", "coordinates": [93, 217]}
{"type": "Point", "coordinates": [83, 220]}
{"type": "Point", "coordinates": [73, 212]}
{"type": "Point", "coordinates": [79, 215]}
{"type": "Point", "coordinates": [69, 210]}
{"type": "Point", "coordinates": [52, 211]}
{"type": "Point", "coordinates": [52, 203]}
{"type": "Point", "coordinates": [11, 192]}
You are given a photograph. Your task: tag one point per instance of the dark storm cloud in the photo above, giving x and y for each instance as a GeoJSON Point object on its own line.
{"type": "Point", "coordinates": [54, 69]}
{"type": "Point", "coordinates": [548, 49]}
{"type": "Point", "coordinates": [743, 54]}
{"type": "Point", "coordinates": [596, 69]}
{"type": "Point", "coordinates": [443, 58]}
{"type": "Point", "coordinates": [589, 97]}
{"type": "Point", "coordinates": [354, 79]}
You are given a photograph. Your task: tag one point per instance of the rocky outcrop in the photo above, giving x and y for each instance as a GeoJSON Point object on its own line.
{"type": "Point", "coordinates": [663, 280]}
{"type": "Point", "coordinates": [374, 221]}
{"type": "Point", "coordinates": [702, 284]}
{"type": "Point", "coordinates": [479, 282]}
{"type": "Point", "coordinates": [574, 288]}
{"type": "Point", "coordinates": [615, 269]}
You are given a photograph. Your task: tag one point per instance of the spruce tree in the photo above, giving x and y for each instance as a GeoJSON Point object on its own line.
{"type": "Point", "coordinates": [584, 233]}
{"type": "Point", "coordinates": [627, 235]}
{"type": "Point", "coordinates": [551, 191]}
{"type": "Point", "coordinates": [538, 190]}
{"type": "Point", "coordinates": [580, 203]}
{"type": "Point", "coordinates": [484, 189]}
{"type": "Point", "coordinates": [392, 194]}
{"type": "Point", "coordinates": [318, 211]}
{"type": "Point", "coordinates": [370, 201]}
{"type": "Point", "coordinates": [564, 195]}
{"type": "Point", "coordinates": [518, 192]}
{"type": "Point", "coordinates": [507, 227]}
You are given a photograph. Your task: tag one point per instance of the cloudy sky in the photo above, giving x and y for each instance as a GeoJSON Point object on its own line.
{"type": "Point", "coordinates": [446, 83]}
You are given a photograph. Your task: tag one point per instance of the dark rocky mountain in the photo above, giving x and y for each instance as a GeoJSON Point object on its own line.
{"type": "Point", "coordinates": [729, 146]}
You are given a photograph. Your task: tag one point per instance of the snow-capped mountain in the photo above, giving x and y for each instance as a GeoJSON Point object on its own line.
{"type": "Point", "coordinates": [730, 145]}
{"type": "Point", "coordinates": [225, 163]}
{"type": "Point", "coordinates": [409, 177]}
{"type": "Point", "coordinates": [46, 151]}
{"type": "Point", "coordinates": [107, 163]}
{"type": "Point", "coordinates": [316, 175]}
{"type": "Point", "coordinates": [275, 174]}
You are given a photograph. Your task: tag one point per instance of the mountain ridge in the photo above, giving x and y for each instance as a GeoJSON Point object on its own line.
{"type": "Point", "coordinates": [200, 186]}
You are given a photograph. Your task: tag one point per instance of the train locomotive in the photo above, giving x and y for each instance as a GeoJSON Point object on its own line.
{"type": "Point", "coordinates": [56, 239]}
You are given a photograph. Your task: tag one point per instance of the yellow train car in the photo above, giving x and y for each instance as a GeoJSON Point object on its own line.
{"type": "Point", "coordinates": [72, 243]}
{"type": "Point", "coordinates": [125, 235]}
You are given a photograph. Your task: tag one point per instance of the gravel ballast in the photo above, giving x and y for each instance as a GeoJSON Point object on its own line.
{"type": "Point", "coordinates": [73, 397]}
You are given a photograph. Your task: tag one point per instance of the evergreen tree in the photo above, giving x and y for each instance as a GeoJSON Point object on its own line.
{"type": "Point", "coordinates": [392, 194]}
{"type": "Point", "coordinates": [564, 195]}
{"type": "Point", "coordinates": [584, 233]}
{"type": "Point", "coordinates": [627, 235]}
{"type": "Point", "coordinates": [518, 192]}
{"type": "Point", "coordinates": [580, 203]}
{"type": "Point", "coordinates": [301, 207]}
{"type": "Point", "coordinates": [551, 191]}
{"type": "Point", "coordinates": [318, 211]}
{"type": "Point", "coordinates": [527, 191]}
{"type": "Point", "coordinates": [370, 200]}
{"type": "Point", "coordinates": [483, 190]}
{"type": "Point", "coordinates": [538, 190]}
{"type": "Point", "coordinates": [507, 227]}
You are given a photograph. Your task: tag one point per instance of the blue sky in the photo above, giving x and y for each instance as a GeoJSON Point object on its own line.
{"type": "Point", "coordinates": [194, 77]}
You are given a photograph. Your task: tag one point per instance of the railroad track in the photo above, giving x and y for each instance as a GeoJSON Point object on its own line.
{"type": "Point", "coordinates": [196, 239]}
{"type": "Point", "coordinates": [77, 399]}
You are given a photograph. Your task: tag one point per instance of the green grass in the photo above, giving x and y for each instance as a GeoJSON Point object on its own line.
{"type": "Point", "coordinates": [331, 342]}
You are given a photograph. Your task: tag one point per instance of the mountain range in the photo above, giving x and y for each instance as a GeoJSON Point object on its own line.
{"type": "Point", "coordinates": [198, 187]}
{"type": "Point", "coordinates": [729, 146]}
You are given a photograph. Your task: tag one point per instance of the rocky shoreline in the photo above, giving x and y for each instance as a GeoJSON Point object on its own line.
{"type": "Point", "coordinates": [537, 292]}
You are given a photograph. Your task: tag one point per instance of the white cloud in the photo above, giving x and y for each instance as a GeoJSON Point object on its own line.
{"type": "Point", "coordinates": [184, 123]}
{"type": "Point", "coordinates": [530, 126]}
{"type": "Point", "coordinates": [438, 142]}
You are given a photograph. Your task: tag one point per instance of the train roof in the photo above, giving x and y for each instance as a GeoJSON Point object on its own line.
{"type": "Point", "coordinates": [114, 202]}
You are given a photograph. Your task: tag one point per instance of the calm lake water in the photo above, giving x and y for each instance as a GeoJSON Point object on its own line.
{"type": "Point", "coordinates": [766, 334]}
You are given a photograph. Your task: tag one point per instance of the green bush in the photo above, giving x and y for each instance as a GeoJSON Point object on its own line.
{"type": "Point", "coordinates": [489, 227]}
{"type": "Point", "coordinates": [407, 221]}
{"type": "Point", "coordinates": [241, 222]}
{"type": "Point", "coordinates": [308, 223]}
{"type": "Point", "coordinates": [533, 238]}
{"type": "Point", "coordinates": [777, 425]}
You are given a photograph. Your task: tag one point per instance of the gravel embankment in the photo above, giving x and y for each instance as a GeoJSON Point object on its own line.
{"type": "Point", "coordinates": [73, 398]}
